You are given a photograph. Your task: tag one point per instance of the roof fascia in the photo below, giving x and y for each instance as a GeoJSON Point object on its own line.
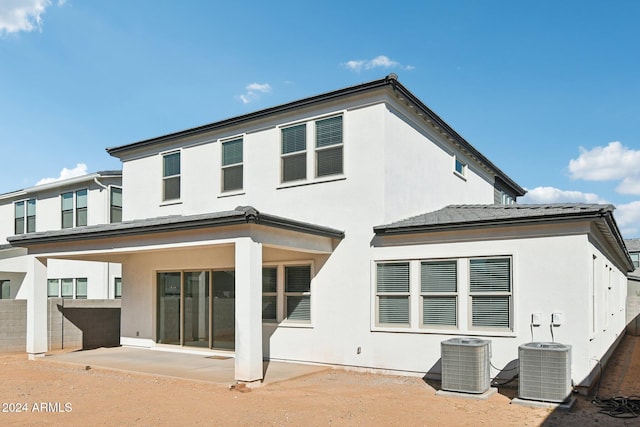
{"type": "Point", "coordinates": [305, 102]}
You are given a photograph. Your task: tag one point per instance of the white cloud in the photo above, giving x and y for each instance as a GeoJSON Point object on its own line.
{"type": "Point", "coordinates": [381, 61]}
{"type": "Point", "coordinates": [253, 91]}
{"type": "Point", "coordinates": [79, 170]}
{"type": "Point", "coordinates": [22, 15]}
{"type": "Point", "coordinates": [547, 195]}
{"type": "Point", "coordinates": [612, 162]}
{"type": "Point", "coordinates": [628, 218]}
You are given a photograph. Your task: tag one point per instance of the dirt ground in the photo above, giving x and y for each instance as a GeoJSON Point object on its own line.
{"type": "Point", "coordinates": [50, 393]}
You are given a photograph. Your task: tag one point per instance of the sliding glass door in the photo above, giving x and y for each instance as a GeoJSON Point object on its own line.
{"type": "Point", "coordinates": [196, 309]}
{"type": "Point", "coordinates": [224, 310]}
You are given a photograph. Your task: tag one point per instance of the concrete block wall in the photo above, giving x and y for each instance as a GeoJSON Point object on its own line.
{"type": "Point", "coordinates": [83, 324]}
{"type": "Point", "coordinates": [13, 325]}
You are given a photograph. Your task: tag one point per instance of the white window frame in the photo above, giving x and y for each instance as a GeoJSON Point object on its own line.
{"type": "Point", "coordinates": [311, 151]}
{"type": "Point", "coordinates": [111, 205]}
{"type": "Point", "coordinates": [463, 298]}
{"type": "Point", "coordinates": [74, 208]}
{"type": "Point", "coordinates": [319, 150]}
{"type": "Point", "coordinates": [177, 176]}
{"type": "Point", "coordinates": [298, 153]}
{"type": "Point", "coordinates": [281, 295]}
{"type": "Point", "coordinates": [25, 217]}
{"type": "Point", "coordinates": [440, 294]}
{"type": "Point", "coordinates": [498, 294]}
{"type": "Point", "coordinates": [224, 167]}
{"type": "Point", "coordinates": [390, 294]}
{"type": "Point", "coordinates": [74, 287]}
{"type": "Point", "coordinates": [462, 173]}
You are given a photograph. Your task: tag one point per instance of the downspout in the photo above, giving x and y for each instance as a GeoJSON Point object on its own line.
{"type": "Point", "coordinates": [104, 187]}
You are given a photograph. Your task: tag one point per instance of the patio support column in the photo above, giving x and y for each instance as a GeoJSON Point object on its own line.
{"type": "Point", "coordinates": [248, 360]}
{"type": "Point", "coordinates": [37, 307]}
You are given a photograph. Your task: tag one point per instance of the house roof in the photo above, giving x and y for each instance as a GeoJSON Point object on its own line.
{"type": "Point", "coordinates": [240, 215]}
{"type": "Point", "coordinates": [461, 217]}
{"type": "Point", "coordinates": [633, 245]}
{"type": "Point", "coordinates": [390, 82]}
{"type": "Point", "coordinates": [61, 183]}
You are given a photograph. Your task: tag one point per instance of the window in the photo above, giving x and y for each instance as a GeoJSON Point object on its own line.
{"type": "Point", "coordinates": [81, 208]}
{"type": "Point", "coordinates": [329, 146]}
{"type": "Point", "coordinates": [117, 288]}
{"type": "Point", "coordinates": [25, 216]}
{"type": "Point", "coordinates": [232, 170]}
{"type": "Point", "coordinates": [635, 257]}
{"type": "Point", "coordinates": [286, 293]}
{"type": "Point", "coordinates": [171, 176]}
{"type": "Point", "coordinates": [438, 288]}
{"type": "Point", "coordinates": [115, 204]}
{"type": "Point", "coordinates": [80, 215]}
{"type": "Point", "coordinates": [5, 289]}
{"type": "Point", "coordinates": [460, 167]}
{"type": "Point", "coordinates": [507, 199]}
{"type": "Point", "coordinates": [81, 288]}
{"type": "Point", "coordinates": [67, 288]}
{"type": "Point", "coordinates": [297, 292]}
{"type": "Point", "coordinates": [53, 288]}
{"type": "Point", "coordinates": [269, 294]}
{"type": "Point", "coordinates": [490, 292]}
{"type": "Point", "coordinates": [392, 293]}
{"type": "Point", "coordinates": [294, 153]}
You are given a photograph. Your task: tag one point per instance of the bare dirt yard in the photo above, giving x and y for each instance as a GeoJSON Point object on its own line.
{"type": "Point", "coordinates": [47, 393]}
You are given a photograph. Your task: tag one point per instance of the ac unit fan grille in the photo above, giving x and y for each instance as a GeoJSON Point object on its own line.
{"type": "Point", "coordinates": [465, 365]}
{"type": "Point", "coordinates": [545, 372]}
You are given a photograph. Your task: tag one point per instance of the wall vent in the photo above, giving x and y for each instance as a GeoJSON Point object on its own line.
{"type": "Point", "coordinates": [545, 371]}
{"type": "Point", "coordinates": [465, 365]}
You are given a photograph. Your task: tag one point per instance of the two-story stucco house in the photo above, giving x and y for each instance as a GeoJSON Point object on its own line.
{"type": "Point", "coordinates": [75, 202]}
{"type": "Point", "coordinates": [352, 228]}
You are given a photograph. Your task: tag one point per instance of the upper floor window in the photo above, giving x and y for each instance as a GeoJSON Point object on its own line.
{"type": "Point", "coordinates": [635, 257]}
{"type": "Point", "coordinates": [507, 199]}
{"type": "Point", "coordinates": [115, 203]}
{"type": "Point", "coordinates": [460, 167]}
{"type": "Point", "coordinates": [329, 146]}
{"type": "Point", "coordinates": [232, 170]}
{"type": "Point", "coordinates": [74, 209]}
{"type": "Point", "coordinates": [294, 153]}
{"type": "Point", "coordinates": [171, 176]}
{"type": "Point", "coordinates": [328, 149]}
{"type": "Point", "coordinates": [25, 216]}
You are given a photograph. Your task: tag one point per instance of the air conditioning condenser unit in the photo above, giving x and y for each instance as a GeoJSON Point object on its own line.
{"type": "Point", "coordinates": [545, 371]}
{"type": "Point", "coordinates": [466, 365]}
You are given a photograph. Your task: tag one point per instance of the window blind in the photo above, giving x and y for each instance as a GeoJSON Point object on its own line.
{"type": "Point", "coordinates": [329, 131]}
{"type": "Point", "coordinates": [294, 139]}
{"type": "Point", "coordinates": [393, 277]}
{"type": "Point", "coordinates": [490, 275]}
{"type": "Point", "coordinates": [232, 152]}
{"type": "Point", "coordinates": [439, 276]}
{"type": "Point", "coordinates": [440, 310]}
{"type": "Point", "coordinates": [329, 161]}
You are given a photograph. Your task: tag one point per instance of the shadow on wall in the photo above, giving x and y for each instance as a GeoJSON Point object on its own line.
{"type": "Point", "coordinates": [85, 324]}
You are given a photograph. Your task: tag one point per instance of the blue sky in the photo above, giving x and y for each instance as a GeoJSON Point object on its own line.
{"type": "Point", "coordinates": [548, 90]}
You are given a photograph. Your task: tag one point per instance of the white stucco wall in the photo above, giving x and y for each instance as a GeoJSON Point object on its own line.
{"type": "Point", "coordinates": [100, 276]}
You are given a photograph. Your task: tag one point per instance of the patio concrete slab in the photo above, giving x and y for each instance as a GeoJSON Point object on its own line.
{"type": "Point", "coordinates": [210, 368]}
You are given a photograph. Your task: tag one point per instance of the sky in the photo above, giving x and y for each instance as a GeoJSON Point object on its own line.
{"type": "Point", "coordinates": [548, 90]}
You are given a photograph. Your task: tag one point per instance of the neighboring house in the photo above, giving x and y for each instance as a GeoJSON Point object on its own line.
{"type": "Point", "coordinates": [283, 234]}
{"type": "Point", "coordinates": [633, 298]}
{"type": "Point", "coordinates": [67, 204]}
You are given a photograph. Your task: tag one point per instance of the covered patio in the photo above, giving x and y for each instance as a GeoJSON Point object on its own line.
{"type": "Point", "coordinates": [169, 269]}
{"type": "Point", "coordinates": [199, 367]}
